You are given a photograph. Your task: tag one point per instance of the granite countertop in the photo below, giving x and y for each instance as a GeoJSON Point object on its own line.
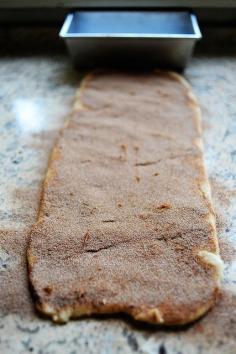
{"type": "Point", "coordinates": [37, 89]}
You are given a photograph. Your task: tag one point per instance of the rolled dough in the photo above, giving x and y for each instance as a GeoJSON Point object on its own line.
{"type": "Point", "coordinates": [126, 222]}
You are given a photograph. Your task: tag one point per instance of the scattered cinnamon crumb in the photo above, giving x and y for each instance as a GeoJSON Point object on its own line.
{"type": "Point", "coordinates": [165, 206]}
{"type": "Point", "coordinates": [162, 207]}
{"type": "Point", "coordinates": [86, 237]}
{"type": "Point", "coordinates": [80, 293]}
{"type": "Point", "coordinates": [48, 290]}
{"type": "Point", "coordinates": [119, 205]}
{"type": "Point", "coordinates": [156, 174]}
{"type": "Point", "coordinates": [143, 216]}
{"type": "Point", "coordinates": [137, 178]}
{"type": "Point", "coordinates": [123, 147]}
{"type": "Point", "coordinates": [179, 248]}
{"type": "Point", "coordinates": [124, 151]}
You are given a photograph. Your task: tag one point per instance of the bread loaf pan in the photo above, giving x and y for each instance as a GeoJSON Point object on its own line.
{"type": "Point", "coordinates": [136, 39]}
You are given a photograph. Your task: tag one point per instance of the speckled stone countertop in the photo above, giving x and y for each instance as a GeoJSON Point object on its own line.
{"type": "Point", "coordinates": [36, 93]}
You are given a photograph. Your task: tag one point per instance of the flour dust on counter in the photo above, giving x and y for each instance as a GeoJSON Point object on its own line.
{"type": "Point", "coordinates": [126, 222]}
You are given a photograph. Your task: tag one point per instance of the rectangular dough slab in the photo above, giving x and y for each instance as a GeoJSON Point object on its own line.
{"type": "Point", "coordinates": [126, 222]}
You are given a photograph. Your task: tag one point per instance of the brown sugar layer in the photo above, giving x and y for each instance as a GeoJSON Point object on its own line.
{"type": "Point", "coordinates": [126, 222]}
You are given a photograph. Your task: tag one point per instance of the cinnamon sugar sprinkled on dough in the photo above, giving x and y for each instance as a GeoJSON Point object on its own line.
{"type": "Point", "coordinates": [141, 255]}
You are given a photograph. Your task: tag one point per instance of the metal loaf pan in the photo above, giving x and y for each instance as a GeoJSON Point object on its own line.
{"type": "Point", "coordinates": [136, 39]}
